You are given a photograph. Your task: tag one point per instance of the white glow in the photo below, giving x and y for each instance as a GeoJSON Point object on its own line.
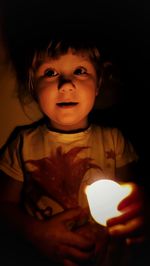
{"type": "Point", "coordinates": [103, 198]}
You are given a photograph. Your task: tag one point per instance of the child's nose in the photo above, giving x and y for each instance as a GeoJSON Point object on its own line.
{"type": "Point", "coordinates": [66, 84]}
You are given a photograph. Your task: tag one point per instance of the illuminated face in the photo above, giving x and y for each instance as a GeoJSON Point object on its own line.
{"type": "Point", "coordinates": [66, 88]}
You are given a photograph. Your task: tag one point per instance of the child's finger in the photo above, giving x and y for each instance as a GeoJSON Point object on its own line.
{"type": "Point", "coordinates": [77, 255]}
{"type": "Point", "coordinates": [78, 241]}
{"type": "Point", "coordinates": [71, 216]}
{"type": "Point", "coordinates": [135, 195]}
{"type": "Point", "coordinates": [128, 213]}
{"type": "Point", "coordinates": [75, 218]}
{"type": "Point", "coordinates": [123, 230]}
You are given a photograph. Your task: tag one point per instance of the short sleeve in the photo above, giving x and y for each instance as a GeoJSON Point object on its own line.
{"type": "Point", "coordinates": [10, 159]}
{"type": "Point", "coordinates": [124, 150]}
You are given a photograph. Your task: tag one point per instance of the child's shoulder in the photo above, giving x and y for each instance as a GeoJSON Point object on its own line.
{"type": "Point", "coordinates": [109, 135]}
{"type": "Point", "coordinates": [22, 131]}
{"type": "Point", "coordinates": [106, 130]}
{"type": "Point", "coordinates": [28, 128]}
{"type": "Point", "coordinates": [32, 128]}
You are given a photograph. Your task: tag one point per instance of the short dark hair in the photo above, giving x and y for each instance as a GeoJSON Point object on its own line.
{"type": "Point", "coordinates": [75, 37]}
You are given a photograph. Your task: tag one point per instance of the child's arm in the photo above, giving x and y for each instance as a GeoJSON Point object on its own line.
{"type": "Point", "coordinates": [52, 238]}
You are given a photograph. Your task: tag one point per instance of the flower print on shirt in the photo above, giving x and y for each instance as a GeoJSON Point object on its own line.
{"type": "Point", "coordinates": [59, 176]}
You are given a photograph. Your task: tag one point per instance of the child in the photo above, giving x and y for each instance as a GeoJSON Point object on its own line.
{"type": "Point", "coordinates": [45, 169]}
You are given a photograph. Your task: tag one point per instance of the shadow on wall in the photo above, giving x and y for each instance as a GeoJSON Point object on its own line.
{"type": "Point", "coordinates": [11, 112]}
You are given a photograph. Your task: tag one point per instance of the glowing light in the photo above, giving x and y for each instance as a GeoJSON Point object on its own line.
{"type": "Point", "coordinates": [103, 198]}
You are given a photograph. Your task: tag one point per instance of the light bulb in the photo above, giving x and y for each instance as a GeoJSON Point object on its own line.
{"type": "Point", "coordinates": [103, 198]}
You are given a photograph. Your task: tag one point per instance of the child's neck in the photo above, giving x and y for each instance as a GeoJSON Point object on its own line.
{"type": "Point", "coordinates": [70, 131]}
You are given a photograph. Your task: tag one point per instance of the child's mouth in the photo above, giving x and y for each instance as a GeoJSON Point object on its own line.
{"type": "Point", "coordinates": [67, 104]}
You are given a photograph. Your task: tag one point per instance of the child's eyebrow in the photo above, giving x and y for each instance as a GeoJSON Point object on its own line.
{"type": "Point", "coordinates": [40, 64]}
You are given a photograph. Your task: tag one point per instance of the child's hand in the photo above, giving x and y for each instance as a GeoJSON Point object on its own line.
{"type": "Point", "coordinates": [56, 240]}
{"type": "Point", "coordinates": [131, 223]}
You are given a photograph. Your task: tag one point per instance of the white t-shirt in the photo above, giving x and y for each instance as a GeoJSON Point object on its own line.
{"type": "Point", "coordinates": [56, 167]}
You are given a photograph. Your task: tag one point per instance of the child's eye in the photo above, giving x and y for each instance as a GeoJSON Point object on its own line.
{"type": "Point", "coordinates": [50, 73]}
{"type": "Point", "coordinates": [80, 71]}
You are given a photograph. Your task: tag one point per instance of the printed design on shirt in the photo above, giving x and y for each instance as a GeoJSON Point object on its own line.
{"type": "Point", "coordinates": [110, 154]}
{"type": "Point", "coordinates": [32, 202]}
{"type": "Point", "coordinates": [59, 176]}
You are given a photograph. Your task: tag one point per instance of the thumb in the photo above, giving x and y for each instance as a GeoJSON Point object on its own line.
{"type": "Point", "coordinates": [74, 217]}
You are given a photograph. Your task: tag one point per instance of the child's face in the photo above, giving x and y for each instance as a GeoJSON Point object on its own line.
{"type": "Point", "coordinates": [66, 88]}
